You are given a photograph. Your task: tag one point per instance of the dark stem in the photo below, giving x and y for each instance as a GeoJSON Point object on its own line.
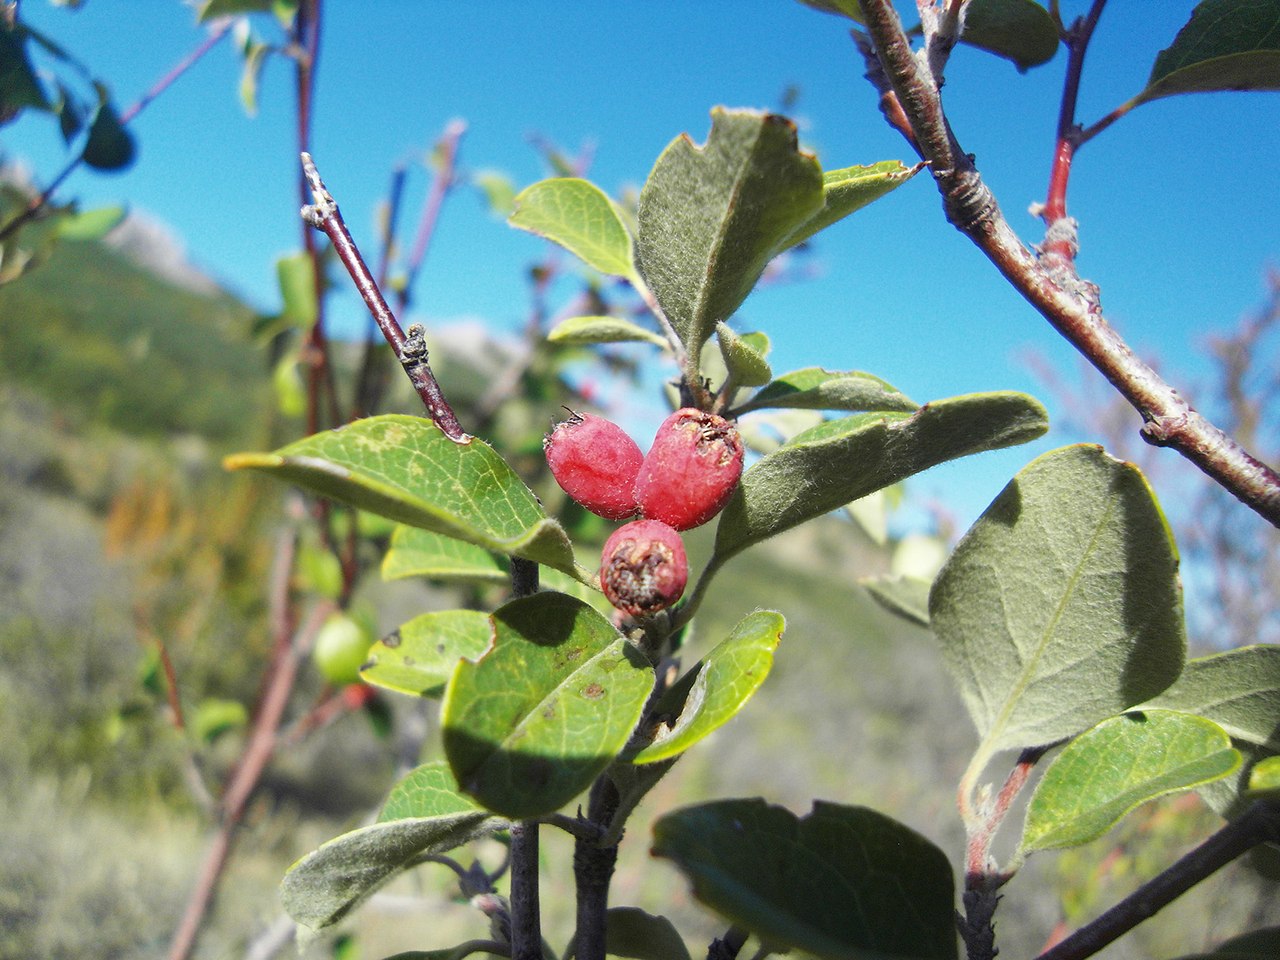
{"type": "Point", "coordinates": [410, 350]}
{"type": "Point", "coordinates": [1060, 296]}
{"type": "Point", "coordinates": [219, 30]}
{"type": "Point", "coordinates": [729, 946]}
{"type": "Point", "coordinates": [526, 922]}
{"type": "Point", "coordinates": [593, 870]}
{"type": "Point", "coordinates": [1259, 824]}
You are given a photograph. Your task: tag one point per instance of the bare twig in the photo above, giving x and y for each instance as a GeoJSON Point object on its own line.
{"type": "Point", "coordinates": [1069, 304]}
{"type": "Point", "coordinates": [1259, 824]}
{"type": "Point", "coordinates": [411, 349]}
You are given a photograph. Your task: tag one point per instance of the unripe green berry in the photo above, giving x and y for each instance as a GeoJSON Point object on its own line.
{"type": "Point", "coordinates": [643, 568]}
{"type": "Point", "coordinates": [691, 470]}
{"type": "Point", "coordinates": [595, 463]}
{"type": "Point", "coordinates": [341, 649]}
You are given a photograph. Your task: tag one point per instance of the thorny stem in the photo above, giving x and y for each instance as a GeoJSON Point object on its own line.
{"type": "Point", "coordinates": [410, 350]}
{"type": "Point", "coordinates": [1069, 304]}
{"type": "Point", "coordinates": [1259, 824]}
{"type": "Point", "coordinates": [593, 869]}
{"type": "Point", "coordinates": [219, 30]}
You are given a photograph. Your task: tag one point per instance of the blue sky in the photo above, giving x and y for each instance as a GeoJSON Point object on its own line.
{"type": "Point", "coordinates": [1178, 202]}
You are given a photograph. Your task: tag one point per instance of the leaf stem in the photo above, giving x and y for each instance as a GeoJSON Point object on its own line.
{"type": "Point", "coordinates": [410, 350]}
{"type": "Point", "coordinates": [1258, 824]}
{"type": "Point", "coordinates": [1070, 304]}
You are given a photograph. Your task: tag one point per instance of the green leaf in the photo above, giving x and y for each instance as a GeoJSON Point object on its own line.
{"type": "Point", "coordinates": [1061, 606]}
{"type": "Point", "coordinates": [841, 460]}
{"type": "Point", "coordinates": [712, 217]}
{"type": "Point", "coordinates": [531, 724]}
{"type": "Point", "coordinates": [499, 192]}
{"type": "Point", "coordinates": [406, 469]}
{"type": "Point", "coordinates": [255, 58]}
{"type": "Point", "coordinates": [214, 717]}
{"type": "Point", "coordinates": [297, 277]}
{"type": "Point", "coordinates": [415, 552]}
{"type": "Point", "coordinates": [1239, 690]}
{"type": "Point", "coordinates": [849, 190]}
{"type": "Point", "coordinates": [715, 689]}
{"type": "Point", "coordinates": [90, 224]}
{"type": "Point", "coordinates": [580, 217]}
{"type": "Point", "coordinates": [1265, 776]}
{"type": "Point", "coordinates": [110, 146]}
{"type": "Point", "coordinates": [1226, 45]}
{"type": "Point", "coordinates": [428, 790]}
{"type": "Point", "coordinates": [328, 883]}
{"type": "Point", "coordinates": [816, 389]}
{"type": "Point", "coordinates": [906, 597]}
{"type": "Point", "coordinates": [213, 9]}
{"type": "Point", "coordinates": [1118, 765]}
{"type": "Point", "coordinates": [843, 883]}
{"type": "Point", "coordinates": [420, 656]}
{"type": "Point", "coordinates": [584, 331]}
{"type": "Point", "coordinates": [287, 384]}
{"type": "Point", "coordinates": [19, 85]}
{"type": "Point", "coordinates": [746, 365]}
{"type": "Point", "coordinates": [634, 934]}
{"type": "Point", "coordinates": [1019, 30]}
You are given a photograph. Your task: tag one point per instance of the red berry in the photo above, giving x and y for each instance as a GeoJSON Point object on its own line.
{"type": "Point", "coordinates": [643, 568]}
{"type": "Point", "coordinates": [595, 462]}
{"type": "Point", "coordinates": [691, 470]}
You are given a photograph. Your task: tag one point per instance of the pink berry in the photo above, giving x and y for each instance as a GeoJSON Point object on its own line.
{"type": "Point", "coordinates": [643, 568]}
{"type": "Point", "coordinates": [595, 462]}
{"type": "Point", "coordinates": [691, 470]}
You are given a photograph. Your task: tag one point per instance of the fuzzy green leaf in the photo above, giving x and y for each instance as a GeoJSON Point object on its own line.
{"type": "Point", "coordinates": [415, 552]}
{"type": "Point", "coordinates": [420, 656]}
{"type": "Point", "coordinates": [406, 469]}
{"type": "Point", "coordinates": [711, 217]}
{"type": "Point", "coordinates": [530, 725]}
{"type": "Point", "coordinates": [843, 883]}
{"type": "Point", "coordinates": [745, 364]}
{"type": "Point", "coordinates": [1226, 45]}
{"type": "Point", "coordinates": [584, 331]}
{"type": "Point", "coordinates": [713, 692]}
{"type": "Point", "coordinates": [849, 190]}
{"type": "Point", "coordinates": [1239, 690]}
{"type": "Point", "coordinates": [579, 216]}
{"type": "Point", "coordinates": [906, 597]}
{"type": "Point", "coordinates": [838, 461]}
{"type": "Point", "coordinates": [816, 389]}
{"type": "Point", "coordinates": [1061, 606]}
{"type": "Point", "coordinates": [327, 884]}
{"type": "Point", "coordinates": [1118, 765]}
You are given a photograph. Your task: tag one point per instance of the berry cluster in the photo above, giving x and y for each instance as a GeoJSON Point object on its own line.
{"type": "Point", "coordinates": [685, 479]}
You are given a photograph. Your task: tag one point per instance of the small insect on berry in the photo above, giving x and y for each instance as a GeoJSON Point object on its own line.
{"type": "Point", "coordinates": [595, 463]}
{"type": "Point", "coordinates": [643, 568]}
{"type": "Point", "coordinates": [691, 470]}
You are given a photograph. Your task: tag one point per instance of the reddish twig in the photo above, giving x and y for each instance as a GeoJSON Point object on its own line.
{"type": "Point", "coordinates": [219, 29]}
{"type": "Point", "coordinates": [1069, 303]}
{"type": "Point", "coordinates": [410, 350]}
